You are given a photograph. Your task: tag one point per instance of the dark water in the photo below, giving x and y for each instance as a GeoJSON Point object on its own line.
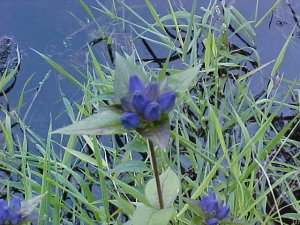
{"type": "Point", "coordinates": [37, 24]}
{"type": "Point", "coordinates": [49, 27]}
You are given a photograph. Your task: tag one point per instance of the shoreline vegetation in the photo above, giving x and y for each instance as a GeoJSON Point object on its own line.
{"type": "Point", "coordinates": [181, 138]}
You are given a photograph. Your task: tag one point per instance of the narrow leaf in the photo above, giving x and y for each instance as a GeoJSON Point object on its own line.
{"type": "Point", "coordinates": [180, 82]}
{"type": "Point", "coordinates": [104, 122]}
{"type": "Point", "coordinates": [282, 53]}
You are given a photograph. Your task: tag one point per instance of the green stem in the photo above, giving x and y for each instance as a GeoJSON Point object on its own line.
{"type": "Point", "coordinates": [156, 175]}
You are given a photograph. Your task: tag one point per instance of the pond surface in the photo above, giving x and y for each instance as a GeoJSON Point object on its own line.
{"type": "Point", "coordinates": [51, 28]}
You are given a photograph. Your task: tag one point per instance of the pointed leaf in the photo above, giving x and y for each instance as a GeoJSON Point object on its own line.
{"type": "Point", "coordinates": [170, 187]}
{"type": "Point", "coordinates": [130, 166]}
{"type": "Point", "coordinates": [149, 216]}
{"type": "Point", "coordinates": [125, 67]}
{"type": "Point", "coordinates": [107, 121]}
{"type": "Point", "coordinates": [159, 135]}
{"type": "Point", "coordinates": [180, 82]}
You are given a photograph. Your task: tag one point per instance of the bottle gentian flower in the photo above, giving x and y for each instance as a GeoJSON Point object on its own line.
{"type": "Point", "coordinates": [10, 214]}
{"type": "Point", "coordinates": [214, 210]}
{"type": "Point", "coordinates": [145, 103]}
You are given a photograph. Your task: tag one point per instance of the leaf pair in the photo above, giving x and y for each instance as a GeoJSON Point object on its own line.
{"type": "Point", "coordinates": [145, 215]}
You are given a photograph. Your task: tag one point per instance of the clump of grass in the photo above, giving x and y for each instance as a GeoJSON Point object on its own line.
{"type": "Point", "coordinates": [224, 137]}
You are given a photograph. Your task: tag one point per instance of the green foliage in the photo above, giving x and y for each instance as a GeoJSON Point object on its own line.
{"type": "Point", "coordinates": [170, 188]}
{"type": "Point", "coordinates": [106, 121]}
{"type": "Point", "coordinates": [124, 69]}
{"type": "Point", "coordinates": [150, 216]}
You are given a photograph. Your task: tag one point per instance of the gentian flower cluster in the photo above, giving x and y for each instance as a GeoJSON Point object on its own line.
{"type": "Point", "coordinates": [213, 209]}
{"type": "Point", "coordinates": [10, 215]}
{"type": "Point", "coordinates": [145, 103]}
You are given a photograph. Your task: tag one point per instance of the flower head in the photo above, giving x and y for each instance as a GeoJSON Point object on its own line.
{"type": "Point", "coordinates": [10, 214]}
{"type": "Point", "coordinates": [215, 210]}
{"type": "Point", "coordinates": [145, 103]}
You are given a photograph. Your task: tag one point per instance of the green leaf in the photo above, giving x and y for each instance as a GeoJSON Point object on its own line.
{"type": "Point", "coordinates": [137, 144]}
{"type": "Point", "coordinates": [180, 82]}
{"type": "Point", "coordinates": [107, 121]}
{"type": "Point", "coordinates": [294, 216]}
{"type": "Point", "coordinates": [159, 135]}
{"type": "Point", "coordinates": [267, 13]}
{"type": "Point", "coordinates": [84, 157]}
{"type": "Point", "coordinates": [130, 166]}
{"type": "Point", "coordinates": [149, 216]}
{"type": "Point", "coordinates": [125, 67]}
{"type": "Point", "coordinates": [282, 53]}
{"type": "Point", "coordinates": [170, 187]}
{"type": "Point", "coordinates": [62, 71]}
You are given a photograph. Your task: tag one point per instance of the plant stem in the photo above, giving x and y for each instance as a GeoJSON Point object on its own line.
{"type": "Point", "coordinates": [156, 175]}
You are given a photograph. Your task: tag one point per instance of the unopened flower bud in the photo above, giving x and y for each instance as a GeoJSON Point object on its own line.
{"type": "Point", "coordinates": [10, 214]}
{"type": "Point", "coordinates": [135, 84]}
{"type": "Point", "coordinates": [152, 111]}
{"type": "Point", "coordinates": [139, 101]}
{"type": "Point", "coordinates": [212, 221]}
{"type": "Point", "coordinates": [152, 91]}
{"type": "Point", "coordinates": [130, 120]}
{"type": "Point", "coordinates": [222, 212]}
{"type": "Point", "coordinates": [167, 101]}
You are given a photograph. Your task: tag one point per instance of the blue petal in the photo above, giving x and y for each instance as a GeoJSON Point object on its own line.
{"type": "Point", "coordinates": [222, 212]}
{"type": "Point", "coordinates": [16, 219]}
{"type": "Point", "coordinates": [204, 202]}
{"type": "Point", "coordinates": [130, 120]}
{"type": "Point", "coordinates": [152, 91]}
{"type": "Point", "coordinates": [135, 84]}
{"type": "Point", "coordinates": [2, 204]}
{"type": "Point", "coordinates": [139, 101]}
{"type": "Point", "coordinates": [167, 101]}
{"type": "Point", "coordinates": [212, 221]}
{"type": "Point", "coordinates": [152, 111]}
{"type": "Point", "coordinates": [6, 214]}
{"type": "Point", "coordinates": [209, 203]}
{"type": "Point", "coordinates": [15, 204]}
{"type": "Point", "coordinates": [212, 196]}
{"type": "Point", "coordinates": [213, 207]}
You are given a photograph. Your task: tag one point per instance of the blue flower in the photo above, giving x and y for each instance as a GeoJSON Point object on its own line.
{"type": "Point", "coordinates": [135, 84]}
{"type": "Point", "coordinates": [215, 210]}
{"type": "Point", "coordinates": [145, 103]}
{"type": "Point", "coordinates": [212, 221]}
{"type": "Point", "coordinates": [167, 101]}
{"type": "Point", "coordinates": [139, 101]}
{"type": "Point", "coordinates": [11, 214]}
{"type": "Point", "coordinates": [152, 111]}
{"type": "Point", "coordinates": [130, 120]}
{"type": "Point", "coordinates": [152, 91]}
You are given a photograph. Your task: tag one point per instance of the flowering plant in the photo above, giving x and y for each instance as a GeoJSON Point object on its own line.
{"type": "Point", "coordinates": [18, 212]}
{"type": "Point", "coordinates": [138, 103]}
{"type": "Point", "coordinates": [10, 214]}
{"type": "Point", "coordinates": [145, 103]}
{"type": "Point", "coordinates": [213, 209]}
{"type": "Point", "coordinates": [142, 103]}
